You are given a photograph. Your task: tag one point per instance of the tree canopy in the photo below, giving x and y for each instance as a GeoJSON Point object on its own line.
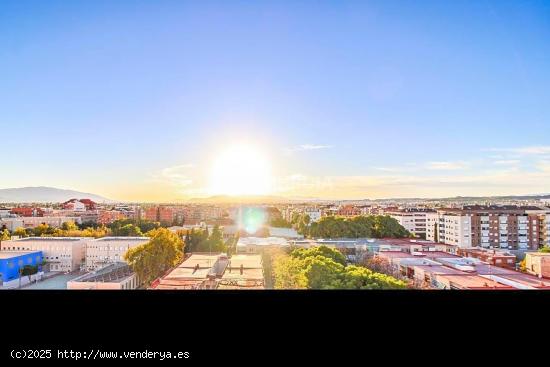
{"type": "Point", "coordinates": [151, 260]}
{"type": "Point", "coordinates": [200, 240]}
{"type": "Point", "coordinates": [325, 268]}
{"type": "Point", "coordinates": [372, 226]}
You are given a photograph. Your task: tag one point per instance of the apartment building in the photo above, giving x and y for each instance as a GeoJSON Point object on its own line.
{"type": "Point", "coordinates": [510, 227]}
{"type": "Point", "coordinates": [162, 214]}
{"type": "Point", "coordinates": [413, 220]}
{"type": "Point", "coordinates": [109, 216]}
{"type": "Point", "coordinates": [63, 254]}
{"type": "Point", "coordinates": [313, 213]}
{"type": "Point", "coordinates": [27, 212]}
{"type": "Point", "coordinates": [348, 211]}
{"type": "Point", "coordinates": [107, 250]}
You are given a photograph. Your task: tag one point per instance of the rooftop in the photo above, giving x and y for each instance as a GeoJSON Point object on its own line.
{"type": "Point", "coordinates": [10, 255]}
{"type": "Point", "coordinates": [202, 270]}
{"type": "Point", "coordinates": [122, 239]}
{"type": "Point", "coordinates": [112, 273]}
{"type": "Point", "coordinates": [471, 282]}
{"type": "Point", "coordinates": [261, 241]}
{"type": "Point", "coordinates": [538, 254]}
{"type": "Point", "coordinates": [60, 239]}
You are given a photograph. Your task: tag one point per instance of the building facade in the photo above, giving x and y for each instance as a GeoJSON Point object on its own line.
{"type": "Point", "coordinates": [101, 252]}
{"type": "Point", "coordinates": [61, 254]}
{"type": "Point", "coordinates": [12, 262]}
{"type": "Point", "coordinates": [510, 227]}
{"type": "Point", "coordinates": [413, 220]}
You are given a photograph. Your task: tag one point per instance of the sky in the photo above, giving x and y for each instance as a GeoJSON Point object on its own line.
{"type": "Point", "coordinates": [142, 100]}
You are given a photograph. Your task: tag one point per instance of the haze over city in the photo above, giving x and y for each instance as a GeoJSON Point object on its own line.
{"type": "Point", "coordinates": [172, 100]}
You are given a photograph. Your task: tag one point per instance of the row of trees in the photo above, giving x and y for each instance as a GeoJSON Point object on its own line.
{"type": "Point", "coordinates": [325, 268]}
{"type": "Point", "coordinates": [68, 229]}
{"type": "Point", "coordinates": [371, 226]}
{"type": "Point", "coordinates": [125, 228]}
{"type": "Point", "coordinates": [201, 240]}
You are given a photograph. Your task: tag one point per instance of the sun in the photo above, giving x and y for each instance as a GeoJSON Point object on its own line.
{"type": "Point", "coordinates": [240, 170]}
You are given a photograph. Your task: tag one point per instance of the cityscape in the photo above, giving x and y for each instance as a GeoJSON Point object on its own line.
{"type": "Point", "coordinates": [178, 146]}
{"type": "Point", "coordinates": [456, 243]}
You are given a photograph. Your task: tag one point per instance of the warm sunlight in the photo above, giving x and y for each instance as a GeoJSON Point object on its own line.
{"type": "Point", "coordinates": [241, 170]}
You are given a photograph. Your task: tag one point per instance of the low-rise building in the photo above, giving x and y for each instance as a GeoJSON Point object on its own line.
{"type": "Point", "coordinates": [255, 245]}
{"type": "Point", "coordinates": [494, 257]}
{"type": "Point", "coordinates": [56, 222]}
{"type": "Point", "coordinates": [434, 269]}
{"type": "Point", "coordinates": [61, 254]}
{"type": "Point", "coordinates": [11, 262]}
{"type": "Point", "coordinates": [11, 224]}
{"type": "Point", "coordinates": [214, 271]}
{"type": "Point", "coordinates": [106, 250]}
{"type": "Point", "coordinates": [116, 276]}
{"type": "Point", "coordinates": [538, 263]}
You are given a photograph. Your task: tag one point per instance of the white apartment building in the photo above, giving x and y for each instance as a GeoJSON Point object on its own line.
{"type": "Point", "coordinates": [314, 214]}
{"type": "Point", "coordinates": [412, 221]}
{"type": "Point", "coordinates": [63, 254]}
{"type": "Point", "coordinates": [432, 219]}
{"type": "Point", "coordinates": [450, 229]}
{"type": "Point", "coordinates": [107, 250]}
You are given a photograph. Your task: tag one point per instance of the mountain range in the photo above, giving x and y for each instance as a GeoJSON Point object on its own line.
{"type": "Point", "coordinates": [43, 194]}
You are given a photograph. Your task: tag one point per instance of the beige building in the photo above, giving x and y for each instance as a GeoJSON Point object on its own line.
{"type": "Point", "coordinates": [538, 263]}
{"type": "Point", "coordinates": [116, 276]}
{"type": "Point", "coordinates": [214, 271]}
{"type": "Point", "coordinates": [63, 254]}
{"type": "Point", "coordinates": [108, 250]}
{"type": "Point", "coordinates": [255, 245]}
{"type": "Point", "coordinates": [11, 223]}
{"type": "Point", "coordinates": [56, 222]}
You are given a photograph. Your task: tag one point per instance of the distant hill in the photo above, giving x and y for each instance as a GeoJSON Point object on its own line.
{"type": "Point", "coordinates": [46, 195]}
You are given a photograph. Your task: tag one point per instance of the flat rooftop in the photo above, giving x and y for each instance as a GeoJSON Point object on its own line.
{"type": "Point", "coordinates": [57, 239]}
{"type": "Point", "coordinates": [260, 241]}
{"type": "Point", "coordinates": [247, 261]}
{"type": "Point", "coordinates": [538, 254]}
{"type": "Point", "coordinates": [438, 269]}
{"type": "Point", "coordinates": [199, 267]}
{"type": "Point", "coordinates": [112, 273]}
{"type": "Point", "coordinates": [472, 282]}
{"type": "Point", "coordinates": [122, 239]}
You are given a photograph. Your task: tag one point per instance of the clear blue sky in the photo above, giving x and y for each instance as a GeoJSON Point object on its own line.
{"type": "Point", "coordinates": [400, 98]}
